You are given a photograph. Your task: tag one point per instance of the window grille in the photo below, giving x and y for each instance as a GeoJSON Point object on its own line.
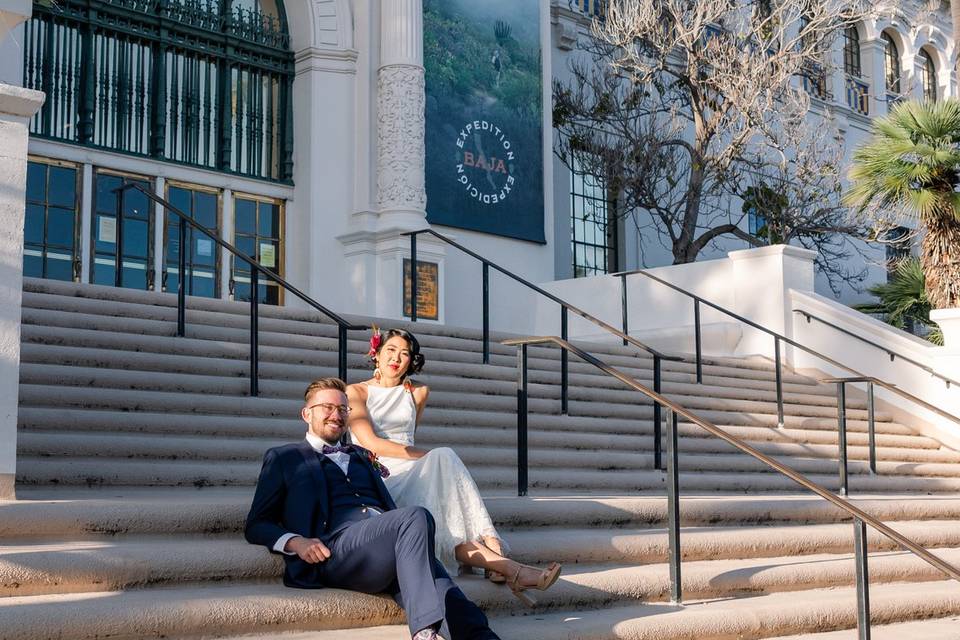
{"type": "Point", "coordinates": [593, 226]}
{"type": "Point", "coordinates": [258, 232]}
{"type": "Point", "coordinates": [122, 234]}
{"type": "Point", "coordinates": [891, 64]}
{"type": "Point", "coordinates": [199, 82]}
{"type": "Point", "coordinates": [51, 230]}
{"type": "Point", "coordinates": [928, 76]}
{"type": "Point", "coordinates": [852, 64]}
{"type": "Point", "coordinates": [593, 8]}
{"type": "Point", "coordinates": [203, 254]}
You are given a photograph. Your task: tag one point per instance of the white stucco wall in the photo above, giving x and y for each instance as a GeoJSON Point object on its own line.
{"type": "Point", "coordinates": [16, 106]}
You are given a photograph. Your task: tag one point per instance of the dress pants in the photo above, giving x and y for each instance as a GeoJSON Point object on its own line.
{"type": "Point", "coordinates": [394, 553]}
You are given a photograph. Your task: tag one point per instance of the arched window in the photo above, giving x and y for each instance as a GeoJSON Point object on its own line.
{"type": "Point", "coordinates": [928, 76]}
{"type": "Point", "coordinates": [891, 64]}
{"type": "Point", "coordinates": [851, 53]}
{"type": "Point", "coordinates": [201, 82]}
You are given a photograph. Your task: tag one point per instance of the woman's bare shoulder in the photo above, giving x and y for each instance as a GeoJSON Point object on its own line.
{"type": "Point", "coordinates": [357, 390]}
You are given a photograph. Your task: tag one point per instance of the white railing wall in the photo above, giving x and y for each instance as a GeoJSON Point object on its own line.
{"type": "Point", "coordinates": [767, 286]}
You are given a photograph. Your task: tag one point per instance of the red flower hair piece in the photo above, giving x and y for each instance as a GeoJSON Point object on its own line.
{"type": "Point", "coordinates": [376, 339]}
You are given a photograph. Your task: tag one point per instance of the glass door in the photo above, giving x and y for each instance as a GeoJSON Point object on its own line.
{"type": "Point", "coordinates": [203, 254]}
{"type": "Point", "coordinates": [122, 234]}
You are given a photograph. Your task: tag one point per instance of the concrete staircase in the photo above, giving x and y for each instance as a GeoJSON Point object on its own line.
{"type": "Point", "coordinates": [138, 452]}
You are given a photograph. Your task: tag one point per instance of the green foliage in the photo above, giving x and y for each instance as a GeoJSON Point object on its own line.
{"type": "Point", "coordinates": [904, 300]}
{"type": "Point", "coordinates": [772, 207]}
{"type": "Point", "coordinates": [502, 31]}
{"type": "Point", "coordinates": [911, 162]}
{"type": "Point", "coordinates": [459, 64]}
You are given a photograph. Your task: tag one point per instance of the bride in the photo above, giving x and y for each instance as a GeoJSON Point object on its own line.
{"type": "Point", "coordinates": [383, 418]}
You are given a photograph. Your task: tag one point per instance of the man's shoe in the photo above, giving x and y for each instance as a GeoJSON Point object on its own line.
{"type": "Point", "coordinates": [426, 634]}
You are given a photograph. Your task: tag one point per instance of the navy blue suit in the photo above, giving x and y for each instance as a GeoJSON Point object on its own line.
{"type": "Point", "coordinates": [390, 553]}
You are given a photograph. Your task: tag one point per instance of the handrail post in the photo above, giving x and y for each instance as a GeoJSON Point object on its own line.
{"type": "Point", "coordinates": [673, 506]}
{"type": "Point", "coordinates": [842, 434]}
{"type": "Point", "coordinates": [182, 286]}
{"type": "Point", "coordinates": [486, 313]}
{"type": "Point", "coordinates": [254, 346]}
{"type": "Point", "coordinates": [522, 420]}
{"type": "Point", "coordinates": [863, 579]}
{"type": "Point", "coordinates": [657, 457]}
{"type": "Point", "coordinates": [413, 277]}
{"type": "Point", "coordinates": [871, 429]}
{"type": "Point", "coordinates": [623, 306]}
{"type": "Point", "coordinates": [564, 367]}
{"type": "Point", "coordinates": [697, 339]}
{"type": "Point", "coordinates": [342, 352]}
{"type": "Point", "coordinates": [779, 375]}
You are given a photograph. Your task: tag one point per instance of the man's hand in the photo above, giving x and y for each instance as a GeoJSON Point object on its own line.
{"type": "Point", "coordinates": [309, 549]}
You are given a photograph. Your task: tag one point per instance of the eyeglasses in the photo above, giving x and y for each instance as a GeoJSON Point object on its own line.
{"type": "Point", "coordinates": [329, 408]}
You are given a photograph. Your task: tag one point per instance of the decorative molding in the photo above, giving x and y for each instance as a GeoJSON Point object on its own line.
{"type": "Point", "coordinates": [400, 138]}
{"type": "Point", "coordinates": [328, 60]}
{"type": "Point", "coordinates": [566, 30]}
{"type": "Point", "coordinates": [20, 102]}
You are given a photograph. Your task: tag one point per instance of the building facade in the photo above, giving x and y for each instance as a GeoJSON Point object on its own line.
{"type": "Point", "coordinates": [296, 132]}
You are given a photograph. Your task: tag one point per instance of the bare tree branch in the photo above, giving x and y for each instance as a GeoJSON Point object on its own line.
{"type": "Point", "coordinates": [683, 105]}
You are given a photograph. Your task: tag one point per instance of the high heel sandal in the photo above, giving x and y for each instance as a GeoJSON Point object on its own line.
{"type": "Point", "coordinates": [547, 577]}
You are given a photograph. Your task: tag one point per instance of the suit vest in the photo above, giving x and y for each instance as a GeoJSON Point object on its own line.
{"type": "Point", "coordinates": [349, 493]}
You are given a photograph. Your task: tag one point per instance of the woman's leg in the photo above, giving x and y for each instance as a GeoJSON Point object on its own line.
{"type": "Point", "coordinates": [477, 554]}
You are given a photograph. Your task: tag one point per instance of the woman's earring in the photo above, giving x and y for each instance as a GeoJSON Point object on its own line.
{"type": "Point", "coordinates": [376, 374]}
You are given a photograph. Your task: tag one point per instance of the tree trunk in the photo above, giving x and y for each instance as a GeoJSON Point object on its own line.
{"type": "Point", "coordinates": [940, 256]}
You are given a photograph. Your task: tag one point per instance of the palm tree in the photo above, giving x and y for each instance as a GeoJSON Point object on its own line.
{"type": "Point", "coordinates": [911, 164]}
{"type": "Point", "coordinates": [902, 302]}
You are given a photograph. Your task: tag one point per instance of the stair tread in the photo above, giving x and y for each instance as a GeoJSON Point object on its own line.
{"type": "Point", "coordinates": [216, 609]}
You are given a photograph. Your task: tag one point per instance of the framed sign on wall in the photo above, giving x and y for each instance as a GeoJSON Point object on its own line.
{"type": "Point", "coordinates": [428, 290]}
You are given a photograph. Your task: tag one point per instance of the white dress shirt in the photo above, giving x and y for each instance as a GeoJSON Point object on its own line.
{"type": "Point", "coordinates": [340, 458]}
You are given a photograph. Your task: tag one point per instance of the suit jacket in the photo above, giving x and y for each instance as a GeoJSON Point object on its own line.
{"type": "Point", "coordinates": [292, 497]}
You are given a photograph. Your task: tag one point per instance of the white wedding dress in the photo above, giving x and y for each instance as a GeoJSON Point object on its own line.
{"type": "Point", "coordinates": [438, 481]}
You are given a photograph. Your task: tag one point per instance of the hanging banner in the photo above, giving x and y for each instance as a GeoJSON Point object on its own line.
{"type": "Point", "coordinates": [484, 116]}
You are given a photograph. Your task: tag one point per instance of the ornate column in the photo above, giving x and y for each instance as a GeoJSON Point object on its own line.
{"type": "Point", "coordinates": [401, 197]}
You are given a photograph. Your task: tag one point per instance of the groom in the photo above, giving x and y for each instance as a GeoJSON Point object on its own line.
{"type": "Point", "coordinates": [326, 509]}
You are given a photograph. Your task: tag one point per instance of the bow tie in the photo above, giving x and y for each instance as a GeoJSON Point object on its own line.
{"type": "Point", "coordinates": [327, 449]}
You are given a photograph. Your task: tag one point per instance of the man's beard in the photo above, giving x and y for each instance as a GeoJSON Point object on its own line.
{"type": "Point", "coordinates": [324, 435]}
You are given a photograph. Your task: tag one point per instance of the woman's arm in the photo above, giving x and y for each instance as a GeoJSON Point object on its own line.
{"type": "Point", "coordinates": [362, 428]}
{"type": "Point", "coordinates": [420, 394]}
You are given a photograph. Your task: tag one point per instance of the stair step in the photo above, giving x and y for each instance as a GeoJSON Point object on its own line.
{"type": "Point", "coordinates": [931, 629]}
{"type": "Point", "coordinates": [450, 426]}
{"type": "Point", "coordinates": [751, 618]}
{"type": "Point", "coordinates": [250, 608]}
{"type": "Point", "coordinates": [102, 301]}
{"type": "Point", "coordinates": [59, 345]}
{"type": "Point", "coordinates": [716, 561]}
{"type": "Point", "coordinates": [439, 375]}
{"type": "Point", "coordinates": [60, 512]}
{"type": "Point", "coordinates": [88, 471]}
{"type": "Point", "coordinates": [156, 447]}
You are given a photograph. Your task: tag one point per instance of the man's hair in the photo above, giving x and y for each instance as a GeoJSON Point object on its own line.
{"type": "Point", "coordinates": [322, 384]}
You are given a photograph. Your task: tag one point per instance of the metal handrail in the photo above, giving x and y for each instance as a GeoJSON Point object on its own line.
{"type": "Point", "coordinates": [857, 376]}
{"type": "Point", "coordinates": [893, 354]}
{"type": "Point", "coordinates": [565, 307]}
{"type": "Point", "coordinates": [861, 517]}
{"type": "Point", "coordinates": [255, 269]}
